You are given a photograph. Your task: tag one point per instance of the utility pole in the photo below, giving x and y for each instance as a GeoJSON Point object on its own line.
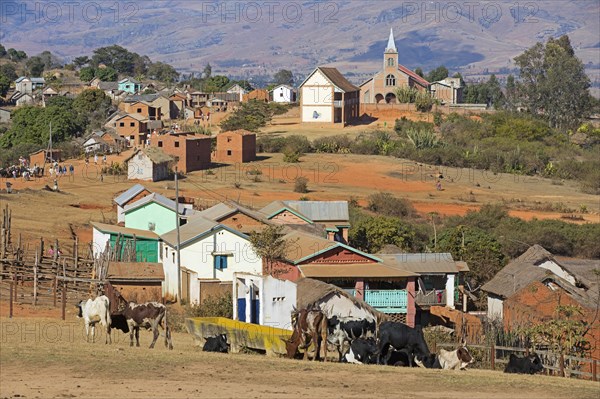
{"type": "Point", "coordinates": [178, 239]}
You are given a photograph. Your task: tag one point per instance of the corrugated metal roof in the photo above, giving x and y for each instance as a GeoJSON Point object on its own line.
{"type": "Point", "coordinates": [423, 263]}
{"type": "Point", "coordinates": [354, 270]}
{"type": "Point", "coordinates": [320, 211]}
{"type": "Point", "coordinates": [124, 197]}
{"type": "Point", "coordinates": [195, 227]}
{"type": "Point", "coordinates": [217, 211]}
{"type": "Point", "coordinates": [110, 228]}
{"type": "Point", "coordinates": [159, 199]}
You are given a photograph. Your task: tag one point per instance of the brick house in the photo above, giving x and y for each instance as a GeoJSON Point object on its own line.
{"type": "Point", "coordinates": [326, 96]}
{"type": "Point", "coordinates": [236, 216]}
{"type": "Point", "coordinates": [381, 88]}
{"type": "Point", "coordinates": [143, 108]}
{"type": "Point", "coordinates": [256, 94]}
{"type": "Point", "coordinates": [133, 127]}
{"type": "Point", "coordinates": [42, 156]}
{"type": "Point", "coordinates": [192, 150]}
{"type": "Point", "coordinates": [131, 195]}
{"type": "Point", "coordinates": [236, 147]}
{"type": "Point", "coordinates": [448, 91]}
{"type": "Point", "coordinates": [333, 215]}
{"type": "Point", "coordinates": [528, 290]}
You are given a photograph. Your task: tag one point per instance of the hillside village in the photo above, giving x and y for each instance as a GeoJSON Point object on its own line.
{"type": "Point", "coordinates": [177, 233]}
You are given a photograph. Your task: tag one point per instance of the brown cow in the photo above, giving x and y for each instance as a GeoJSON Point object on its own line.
{"type": "Point", "coordinates": [309, 326]}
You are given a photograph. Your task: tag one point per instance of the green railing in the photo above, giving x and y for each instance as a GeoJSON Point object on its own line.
{"type": "Point", "coordinates": [386, 301]}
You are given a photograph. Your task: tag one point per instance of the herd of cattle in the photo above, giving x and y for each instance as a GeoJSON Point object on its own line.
{"type": "Point", "coordinates": [358, 341]}
{"type": "Point", "coordinates": [129, 318]}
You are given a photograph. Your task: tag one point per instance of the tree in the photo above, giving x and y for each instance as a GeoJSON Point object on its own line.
{"type": "Point", "coordinates": [107, 74]}
{"type": "Point", "coordinates": [270, 246]}
{"type": "Point", "coordinates": [35, 66]}
{"type": "Point", "coordinates": [50, 61]}
{"type": "Point", "coordinates": [419, 71]}
{"type": "Point", "coordinates": [554, 84]}
{"type": "Point", "coordinates": [93, 106]}
{"type": "Point", "coordinates": [215, 84]}
{"type": "Point", "coordinates": [372, 233]}
{"type": "Point", "coordinates": [479, 249]}
{"type": "Point", "coordinates": [284, 77]}
{"type": "Point", "coordinates": [251, 115]}
{"type": "Point", "coordinates": [424, 101]}
{"type": "Point", "coordinates": [81, 61]}
{"type": "Point", "coordinates": [495, 95]}
{"type": "Point", "coordinates": [86, 74]}
{"type": "Point", "coordinates": [4, 85]}
{"type": "Point", "coordinates": [511, 93]}
{"type": "Point", "coordinates": [2, 51]}
{"type": "Point", "coordinates": [9, 71]}
{"type": "Point", "coordinates": [438, 73]}
{"type": "Point", "coordinates": [119, 59]}
{"type": "Point", "coordinates": [162, 72]}
{"type": "Point", "coordinates": [207, 72]}
{"type": "Point", "coordinates": [16, 55]}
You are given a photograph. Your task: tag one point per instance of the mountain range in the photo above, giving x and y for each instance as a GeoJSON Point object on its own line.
{"type": "Point", "coordinates": [243, 39]}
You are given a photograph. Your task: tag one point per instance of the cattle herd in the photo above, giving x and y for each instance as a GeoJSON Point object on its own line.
{"type": "Point", "coordinates": [359, 341]}
{"type": "Point", "coordinates": [129, 318]}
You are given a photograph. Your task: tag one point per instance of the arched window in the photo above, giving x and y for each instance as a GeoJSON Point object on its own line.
{"type": "Point", "coordinates": [390, 61]}
{"type": "Point", "coordinates": [390, 80]}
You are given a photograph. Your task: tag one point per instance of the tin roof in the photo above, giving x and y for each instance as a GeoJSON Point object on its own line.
{"type": "Point", "coordinates": [158, 199]}
{"type": "Point", "coordinates": [109, 228]}
{"type": "Point", "coordinates": [424, 263]}
{"type": "Point", "coordinates": [124, 197]}
{"type": "Point", "coordinates": [320, 211]}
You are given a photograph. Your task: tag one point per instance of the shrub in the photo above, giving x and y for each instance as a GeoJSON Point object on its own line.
{"type": "Point", "coordinates": [291, 156]}
{"type": "Point", "coordinates": [301, 185]}
{"type": "Point", "coordinates": [387, 204]}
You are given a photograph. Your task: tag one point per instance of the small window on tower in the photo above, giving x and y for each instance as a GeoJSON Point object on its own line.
{"type": "Point", "coordinates": [390, 61]}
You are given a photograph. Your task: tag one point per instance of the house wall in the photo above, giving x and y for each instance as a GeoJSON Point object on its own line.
{"type": "Point", "coordinates": [198, 257]}
{"type": "Point", "coordinates": [287, 217]}
{"type": "Point", "coordinates": [99, 240]}
{"type": "Point", "coordinates": [138, 131]}
{"type": "Point", "coordinates": [121, 210]}
{"type": "Point", "coordinates": [163, 104]}
{"type": "Point", "coordinates": [494, 308]}
{"type": "Point", "coordinates": [193, 151]}
{"type": "Point", "coordinates": [316, 95]}
{"type": "Point", "coordinates": [163, 218]}
{"type": "Point", "coordinates": [140, 167]}
{"type": "Point", "coordinates": [241, 222]}
{"type": "Point", "coordinates": [282, 95]}
{"type": "Point", "coordinates": [139, 292]}
{"type": "Point", "coordinates": [235, 148]}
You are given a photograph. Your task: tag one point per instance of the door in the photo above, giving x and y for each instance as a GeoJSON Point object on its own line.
{"type": "Point", "coordinates": [241, 307]}
{"type": "Point", "coordinates": [185, 286]}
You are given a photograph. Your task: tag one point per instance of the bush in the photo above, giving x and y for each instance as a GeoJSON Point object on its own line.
{"type": "Point", "coordinates": [387, 204]}
{"type": "Point", "coordinates": [301, 185]}
{"type": "Point", "coordinates": [291, 156]}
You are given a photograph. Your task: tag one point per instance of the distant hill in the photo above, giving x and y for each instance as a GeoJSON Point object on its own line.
{"type": "Point", "coordinates": [246, 38]}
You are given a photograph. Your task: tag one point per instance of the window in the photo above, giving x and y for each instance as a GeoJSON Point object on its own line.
{"type": "Point", "coordinates": [122, 124]}
{"type": "Point", "coordinates": [151, 226]}
{"type": "Point", "coordinates": [220, 262]}
{"type": "Point", "coordinates": [281, 94]}
{"type": "Point", "coordinates": [131, 137]}
{"type": "Point", "coordinates": [173, 256]}
{"type": "Point", "coordinates": [131, 124]}
{"type": "Point", "coordinates": [390, 80]}
{"type": "Point", "coordinates": [228, 153]}
{"type": "Point", "coordinates": [160, 143]}
{"type": "Point", "coordinates": [177, 144]}
{"type": "Point", "coordinates": [390, 61]}
{"type": "Point", "coordinates": [139, 110]}
{"type": "Point", "coordinates": [229, 139]}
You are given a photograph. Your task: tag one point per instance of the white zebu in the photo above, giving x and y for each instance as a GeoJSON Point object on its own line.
{"type": "Point", "coordinates": [94, 311]}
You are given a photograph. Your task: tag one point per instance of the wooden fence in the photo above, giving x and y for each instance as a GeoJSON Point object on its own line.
{"type": "Point", "coordinates": [39, 274]}
{"type": "Point", "coordinates": [554, 363]}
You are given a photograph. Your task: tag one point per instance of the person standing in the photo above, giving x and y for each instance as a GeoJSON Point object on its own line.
{"type": "Point", "coordinates": [71, 169]}
{"type": "Point", "coordinates": [96, 159]}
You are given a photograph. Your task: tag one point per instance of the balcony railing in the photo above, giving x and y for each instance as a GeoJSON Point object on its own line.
{"type": "Point", "coordinates": [386, 301]}
{"type": "Point", "coordinates": [431, 298]}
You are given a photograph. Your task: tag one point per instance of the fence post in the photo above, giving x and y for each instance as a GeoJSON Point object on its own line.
{"type": "Point", "coordinates": [562, 364]}
{"type": "Point", "coordinates": [594, 370]}
{"type": "Point", "coordinates": [64, 299]}
{"type": "Point", "coordinates": [55, 289]}
{"type": "Point", "coordinates": [35, 278]}
{"type": "Point", "coordinates": [10, 313]}
{"type": "Point", "coordinates": [493, 357]}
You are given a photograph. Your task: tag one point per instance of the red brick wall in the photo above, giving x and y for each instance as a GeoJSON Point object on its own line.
{"type": "Point", "coordinates": [235, 147]}
{"type": "Point", "coordinates": [138, 130]}
{"type": "Point", "coordinates": [193, 150]}
{"type": "Point", "coordinates": [537, 303]}
{"type": "Point", "coordinates": [241, 222]}
{"type": "Point", "coordinates": [287, 217]}
{"type": "Point", "coordinates": [337, 255]}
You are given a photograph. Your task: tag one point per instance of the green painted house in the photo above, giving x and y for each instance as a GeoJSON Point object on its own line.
{"type": "Point", "coordinates": [155, 213]}
{"type": "Point", "coordinates": [146, 242]}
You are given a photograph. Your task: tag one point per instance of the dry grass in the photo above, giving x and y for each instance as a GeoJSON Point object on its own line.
{"type": "Point", "coordinates": [49, 358]}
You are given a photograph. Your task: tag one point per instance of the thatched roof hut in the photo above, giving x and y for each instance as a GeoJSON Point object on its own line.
{"type": "Point", "coordinates": [333, 301]}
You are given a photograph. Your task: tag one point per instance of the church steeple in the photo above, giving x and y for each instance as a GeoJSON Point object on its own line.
{"type": "Point", "coordinates": [391, 44]}
{"type": "Point", "coordinates": [390, 55]}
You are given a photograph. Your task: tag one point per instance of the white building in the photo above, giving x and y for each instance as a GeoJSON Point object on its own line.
{"type": "Point", "coordinates": [129, 196]}
{"type": "Point", "coordinates": [263, 300]}
{"type": "Point", "coordinates": [326, 96]}
{"type": "Point", "coordinates": [284, 94]}
{"type": "Point", "coordinates": [209, 252]}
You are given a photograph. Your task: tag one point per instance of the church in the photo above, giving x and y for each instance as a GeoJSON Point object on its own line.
{"type": "Point", "coordinates": [381, 88]}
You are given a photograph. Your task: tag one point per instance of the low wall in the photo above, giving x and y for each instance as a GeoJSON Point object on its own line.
{"type": "Point", "coordinates": [240, 335]}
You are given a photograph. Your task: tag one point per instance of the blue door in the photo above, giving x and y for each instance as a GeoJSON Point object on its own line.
{"type": "Point", "coordinates": [255, 311]}
{"type": "Point", "coordinates": [241, 306]}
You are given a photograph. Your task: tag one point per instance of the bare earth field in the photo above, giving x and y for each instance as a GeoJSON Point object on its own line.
{"type": "Point", "coordinates": [49, 358]}
{"type": "Point", "coordinates": [38, 212]}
